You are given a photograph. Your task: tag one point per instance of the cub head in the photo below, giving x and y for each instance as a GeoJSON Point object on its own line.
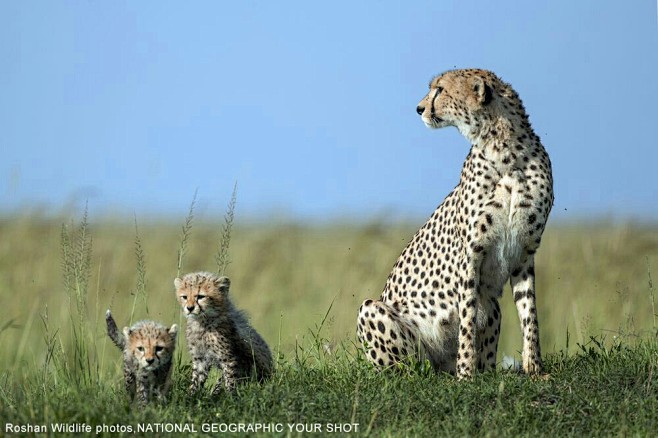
{"type": "Point", "coordinates": [458, 98]}
{"type": "Point", "coordinates": [202, 294]}
{"type": "Point", "coordinates": [150, 343]}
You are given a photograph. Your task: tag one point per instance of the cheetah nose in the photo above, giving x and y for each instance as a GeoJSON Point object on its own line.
{"type": "Point", "coordinates": [420, 110]}
{"type": "Point", "coordinates": [190, 308]}
{"type": "Point", "coordinates": [150, 361]}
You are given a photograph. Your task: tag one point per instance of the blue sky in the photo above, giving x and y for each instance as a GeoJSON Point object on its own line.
{"type": "Point", "coordinates": [310, 106]}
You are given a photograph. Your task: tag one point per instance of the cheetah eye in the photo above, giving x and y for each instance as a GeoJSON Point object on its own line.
{"type": "Point", "coordinates": [183, 297]}
{"type": "Point", "coordinates": [140, 348]}
{"type": "Point", "coordinates": [158, 348]}
{"type": "Point", "coordinates": [200, 297]}
{"type": "Point", "coordinates": [439, 90]}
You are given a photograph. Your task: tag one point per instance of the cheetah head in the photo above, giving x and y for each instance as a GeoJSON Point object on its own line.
{"type": "Point", "coordinates": [457, 98]}
{"type": "Point", "coordinates": [152, 345]}
{"type": "Point", "coordinates": [202, 294]}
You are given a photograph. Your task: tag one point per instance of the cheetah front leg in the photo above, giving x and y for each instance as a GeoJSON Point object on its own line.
{"type": "Point", "coordinates": [200, 368]}
{"type": "Point", "coordinates": [163, 384]}
{"type": "Point", "coordinates": [160, 395]}
{"type": "Point", "coordinates": [143, 390]}
{"type": "Point", "coordinates": [523, 287]}
{"type": "Point", "coordinates": [488, 337]}
{"type": "Point", "coordinates": [129, 381]}
{"type": "Point", "coordinates": [466, 352]}
{"type": "Point", "coordinates": [468, 305]}
{"type": "Point", "coordinates": [230, 375]}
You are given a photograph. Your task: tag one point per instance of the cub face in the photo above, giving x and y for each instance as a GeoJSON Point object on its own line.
{"type": "Point", "coordinates": [152, 345]}
{"type": "Point", "coordinates": [455, 98]}
{"type": "Point", "coordinates": [202, 294]}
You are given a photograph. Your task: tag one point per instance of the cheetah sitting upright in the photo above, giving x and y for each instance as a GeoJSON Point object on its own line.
{"type": "Point", "coordinates": [218, 334]}
{"type": "Point", "coordinates": [441, 299]}
{"type": "Point", "coordinates": [148, 350]}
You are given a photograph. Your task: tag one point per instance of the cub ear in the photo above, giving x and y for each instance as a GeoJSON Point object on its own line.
{"type": "Point", "coordinates": [173, 331]}
{"type": "Point", "coordinates": [222, 284]}
{"type": "Point", "coordinates": [178, 283]}
{"type": "Point", "coordinates": [482, 91]}
{"type": "Point", "coordinates": [126, 332]}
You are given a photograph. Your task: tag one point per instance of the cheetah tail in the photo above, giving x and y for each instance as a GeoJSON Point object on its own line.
{"type": "Point", "coordinates": [113, 331]}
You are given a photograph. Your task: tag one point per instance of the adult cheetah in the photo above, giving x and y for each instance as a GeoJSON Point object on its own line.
{"type": "Point", "coordinates": [441, 299]}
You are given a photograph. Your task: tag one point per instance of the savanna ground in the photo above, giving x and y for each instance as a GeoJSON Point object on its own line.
{"type": "Point", "coordinates": [302, 286]}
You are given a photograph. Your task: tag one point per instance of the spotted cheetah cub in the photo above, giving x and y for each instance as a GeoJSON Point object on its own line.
{"type": "Point", "coordinates": [219, 334]}
{"type": "Point", "coordinates": [148, 348]}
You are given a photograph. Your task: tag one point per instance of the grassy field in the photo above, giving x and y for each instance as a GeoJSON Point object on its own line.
{"type": "Point", "coordinates": [302, 286]}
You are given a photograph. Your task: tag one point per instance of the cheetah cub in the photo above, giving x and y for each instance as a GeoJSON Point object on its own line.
{"type": "Point", "coordinates": [219, 334]}
{"type": "Point", "coordinates": [148, 348]}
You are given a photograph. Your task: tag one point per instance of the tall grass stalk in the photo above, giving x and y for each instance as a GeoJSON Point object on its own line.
{"type": "Point", "coordinates": [185, 235]}
{"type": "Point", "coordinates": [651, 294]}
{"type": "Point", "coordinates": [186, 232]}
{"type": "Point", "coordinates": [140, 289]}
{"type": "Point", "coordinates": [76, 245]}
{"type": "Point", "coordinates": [222, 257]}
{"type": "Point", "coordinates": [50, 339]}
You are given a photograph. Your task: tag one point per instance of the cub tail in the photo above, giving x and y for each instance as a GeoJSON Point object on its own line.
{"type": "Point", "coordinates": [113, 331]}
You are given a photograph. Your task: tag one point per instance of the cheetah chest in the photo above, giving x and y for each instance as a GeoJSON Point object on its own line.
{"type": "Point", "coordinates": [506, 240]}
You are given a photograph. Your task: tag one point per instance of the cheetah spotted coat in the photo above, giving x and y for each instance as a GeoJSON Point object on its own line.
{"type": "Point", "coordinates": [440, 301]}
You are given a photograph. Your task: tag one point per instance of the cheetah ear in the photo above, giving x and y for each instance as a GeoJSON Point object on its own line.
{"type": "Point", "coordinates": [178, 283]}
{"type": "Point", "coordinates": [126, 332]}
{"type": "Point", "coordinates": [173, 331]}
{"type": "Point", "coordinates": [482, 91]}
{"type": "Point", "coordinates": [222, 284]}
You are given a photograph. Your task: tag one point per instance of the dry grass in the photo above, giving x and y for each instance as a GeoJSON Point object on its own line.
{"type": "Point", "coordinates": [592, 280]}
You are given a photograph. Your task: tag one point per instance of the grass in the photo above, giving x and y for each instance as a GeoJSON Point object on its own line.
{"type": "Point", "coordinates": [599, 391]}
{"type": "Point", "coordinates": [302, 287]}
